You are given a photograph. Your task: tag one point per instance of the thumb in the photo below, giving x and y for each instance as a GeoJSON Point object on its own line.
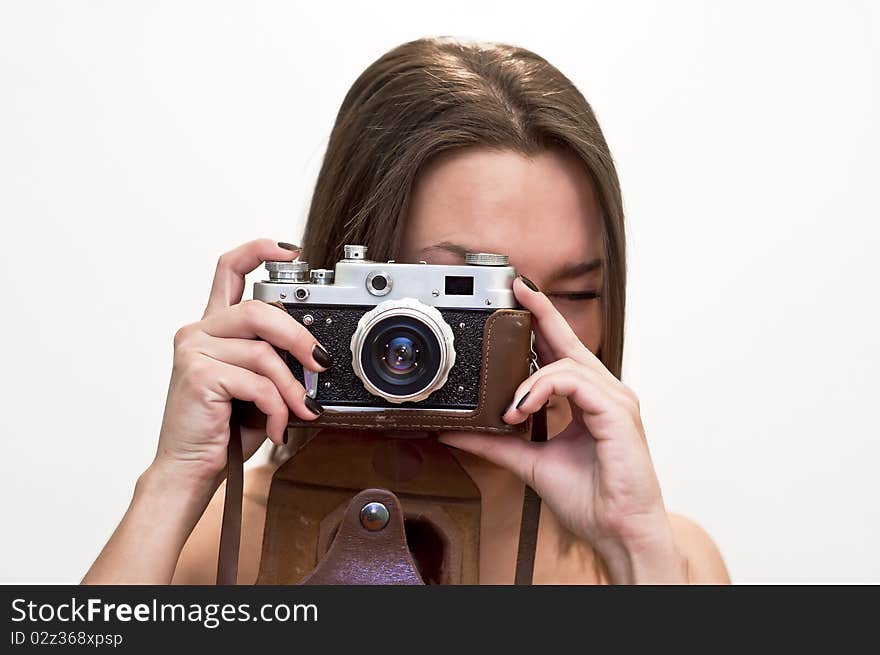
{"type": "Point", "coordinates": [512, 453]}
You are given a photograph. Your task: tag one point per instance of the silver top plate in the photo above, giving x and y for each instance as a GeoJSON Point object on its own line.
{"type": "Point", "coordinates": [427, 283]}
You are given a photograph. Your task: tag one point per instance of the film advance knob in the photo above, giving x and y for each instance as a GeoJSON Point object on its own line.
{"type": "Point", "coordinates": [295, 271]}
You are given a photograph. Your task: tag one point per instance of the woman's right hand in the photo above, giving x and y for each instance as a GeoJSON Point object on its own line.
{"type": "Point", "coordinates": [230, 354]}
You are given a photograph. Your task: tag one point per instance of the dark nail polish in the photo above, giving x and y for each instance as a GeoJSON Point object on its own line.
{"type": "Point", "coordinates": [531, 285]}
{"type": "Point", "coordinates": [313, 405]}
{"type": "Point", "coordinates": [285, 437]}
{"type": "Point", "coordinates": [320, 355]}
{"type": "Point", "coordinates": [288, 246]}
{"type": "Point", "coordinates": [522, 400]}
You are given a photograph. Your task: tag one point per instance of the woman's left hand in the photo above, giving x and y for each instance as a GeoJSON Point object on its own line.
{"type": "Point", "coordinates": [596, 475]}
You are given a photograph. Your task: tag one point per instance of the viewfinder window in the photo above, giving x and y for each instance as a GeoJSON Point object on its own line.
{"type": "Point", "coordinates": [459, 285]}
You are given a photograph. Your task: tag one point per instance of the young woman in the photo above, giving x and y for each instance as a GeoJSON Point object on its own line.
{"type": "Point", "coordinates": [439, 148]}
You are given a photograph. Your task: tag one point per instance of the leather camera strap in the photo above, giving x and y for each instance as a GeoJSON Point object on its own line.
{"type": "Point", "coordinates": [230, 529]}
{"type": "Point", "coordinates": [531, 513]}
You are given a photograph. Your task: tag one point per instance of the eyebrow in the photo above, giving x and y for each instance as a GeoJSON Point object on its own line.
{"type": "Point", "coordinates": [565, 272]}
{"type": "Point", "coordinates": [569, 271]}
{"type": "Point", "coordinates": [447, 246]}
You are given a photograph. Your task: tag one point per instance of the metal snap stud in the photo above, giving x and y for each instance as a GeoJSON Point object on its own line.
{"type": "Point", "coordinates": [374, 516]}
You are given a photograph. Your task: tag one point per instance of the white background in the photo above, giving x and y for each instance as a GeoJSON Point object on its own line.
{"type": "Point", "coordinates": [139, 140]}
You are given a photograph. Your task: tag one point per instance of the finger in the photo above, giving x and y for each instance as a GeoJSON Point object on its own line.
{"type": "Point", "coordinates": [611, 385]}
{"type": "Point", "coordinates": [580, 384]}
{"type": "Point", "coordinates": [512, 453]}
{"type": "Point", "coordinates": [261, 358]}
{"type": "Point", "coordinates": [232, 266]}
{"type": "Point", "coordinates": [552, 326]}
{"type": "Point", "coordinates": [550, 369]}
{"type": "Point", "coordinates": [246, 385]}
{"type": "Point", "coordinates": [255, 319]}
{"type": "Point", "coordinates": [604, 377]}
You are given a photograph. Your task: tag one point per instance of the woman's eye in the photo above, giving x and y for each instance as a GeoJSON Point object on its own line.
{"type": "Point", "coordinates": [577, 295]}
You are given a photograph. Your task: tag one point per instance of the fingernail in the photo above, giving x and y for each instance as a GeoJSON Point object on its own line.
{"type": "Point", "coordinates": [531, 285]}
{"type": "Point", "coordinates": [313, 405]}
{"type": "Point", "coordinates": [288, 246]}
{"type": "Point", "coordinates": [278, 304]}
{"type": "Point", "coordinates": [522, 400]}
{"type": "Point", "coordinates": [320, 355]}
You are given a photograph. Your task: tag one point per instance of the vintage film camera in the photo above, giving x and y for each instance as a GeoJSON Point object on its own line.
{"type": "Point", "coordinates": [414, 346]}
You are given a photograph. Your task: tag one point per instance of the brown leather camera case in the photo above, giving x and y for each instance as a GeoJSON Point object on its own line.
{"type": "Point", "coordinates": [505, 364]}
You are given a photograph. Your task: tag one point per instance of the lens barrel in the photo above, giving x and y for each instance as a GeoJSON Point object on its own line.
{"type": "Point", "coordinates": [402, 350]}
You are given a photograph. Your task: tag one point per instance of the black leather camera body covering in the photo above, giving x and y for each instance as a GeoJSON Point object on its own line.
{"type": "Point", "coordinates": [492, 359]}
{"type": "Point", "coordinates": [339, 386]}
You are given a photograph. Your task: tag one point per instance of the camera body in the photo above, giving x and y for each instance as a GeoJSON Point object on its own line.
{"type": "Point", "coordinates": [412, 344]}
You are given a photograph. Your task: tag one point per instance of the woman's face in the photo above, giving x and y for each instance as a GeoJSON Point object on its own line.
{"type": "Point", "coordinates": [542, 211]}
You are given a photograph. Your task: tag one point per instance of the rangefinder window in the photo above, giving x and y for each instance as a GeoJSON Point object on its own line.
{"type": "Point", "coordinates": [459, 285]}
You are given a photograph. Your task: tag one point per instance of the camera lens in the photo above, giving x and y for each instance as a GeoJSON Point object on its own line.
{"type": "Point", "coordinates": [401, 355]}
{"type": "Point", "coordinates": [402, 350]}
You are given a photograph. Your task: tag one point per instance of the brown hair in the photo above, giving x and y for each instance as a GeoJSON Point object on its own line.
{"type": "Point", "coordinates": [432, 95]}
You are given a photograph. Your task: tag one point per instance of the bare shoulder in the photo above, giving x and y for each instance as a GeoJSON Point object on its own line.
{"type": "Point", "coordinates": [705, 563]}
{"type": "Point", "coordinates": [197, 563]}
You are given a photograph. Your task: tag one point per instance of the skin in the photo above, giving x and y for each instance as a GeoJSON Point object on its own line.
{"type": "Point", "coordinates": [604, 519]}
